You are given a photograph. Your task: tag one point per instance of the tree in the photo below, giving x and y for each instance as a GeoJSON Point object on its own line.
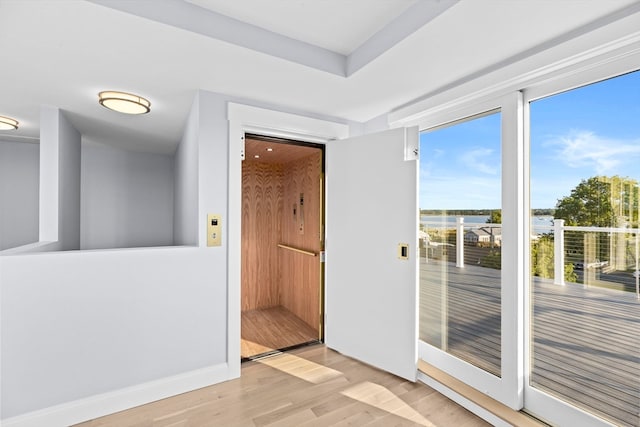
{"type": "Point", "coordinates": [542, 260]}
{"type": "Point", "coordinates": [495, 217]}
{"type": "Point", "coordinates": [589, 204]}
{"type": "Point", "coordinates": [542, 256]}
{"type": "Point", "coordinates": [600, 201]}
{"type": "Point", "coordinates": [624, 200]}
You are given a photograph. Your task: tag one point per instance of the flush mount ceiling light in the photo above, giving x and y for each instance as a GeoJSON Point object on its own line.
{"type": "Point", "coordinates": [7, 123]}
{"type": "Point", "coordinates": [123, 102]}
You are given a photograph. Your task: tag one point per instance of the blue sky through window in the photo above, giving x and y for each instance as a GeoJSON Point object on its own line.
{"type": "Point", "coordinates": [460, 165]}
{"type": "Point", "coordinates": [589, 131]}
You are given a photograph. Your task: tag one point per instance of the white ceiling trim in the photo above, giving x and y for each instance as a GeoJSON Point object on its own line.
{"type": "Point", "coordinates": [285, 125]}
{"type": "Point", "coordinates": [491, 83]}
{"type": "Point", "coordinates": [191, 17]}
{"type": "Point", "coordinates": [411, 20]}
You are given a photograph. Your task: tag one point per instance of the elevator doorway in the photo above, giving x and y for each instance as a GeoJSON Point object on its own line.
{"type": "Point", "coordinates": [282, 242]}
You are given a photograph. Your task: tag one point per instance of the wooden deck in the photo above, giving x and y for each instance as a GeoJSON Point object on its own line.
{"type": "Point", "coordinates": [586, 340]}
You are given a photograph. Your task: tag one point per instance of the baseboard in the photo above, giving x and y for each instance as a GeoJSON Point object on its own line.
{"type": "Point", "coordinates": [77, 411]}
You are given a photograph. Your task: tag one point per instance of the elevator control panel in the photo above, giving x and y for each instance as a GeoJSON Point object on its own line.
{"type": "Point", "coordinates": [214, 230]}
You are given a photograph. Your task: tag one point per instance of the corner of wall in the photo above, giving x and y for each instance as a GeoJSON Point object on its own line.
{"type": "Point", "coordinates": [212, 161]}
{"type": "Point", "coordinates": [59, 179]}
{"type": "Point", "coordinates": [186, 180]}
{"type": "Point", "coordinates": [377, 124]}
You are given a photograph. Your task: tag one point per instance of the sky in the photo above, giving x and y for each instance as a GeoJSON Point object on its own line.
{"type": "Point", "coordinates": [589, 131]}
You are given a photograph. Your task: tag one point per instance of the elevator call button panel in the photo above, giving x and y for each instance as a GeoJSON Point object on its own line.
{"type": "Point", "coordinates": [214, 230]}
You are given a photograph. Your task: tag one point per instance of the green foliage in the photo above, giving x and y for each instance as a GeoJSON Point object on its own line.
{"type": "Point", "coordinates": [495, 217]}
{"type": "Point", "coordinates": [492, 260]}
{"type": "Point", "coordinates": [542, 256]}
{"type": "Point", "coordinates": [588, 205]}
{"type": "Point", "coordinates": [600, 201]}
{"type": "Point", "coordinates": [543, 212]}
{"type": "Point", "coordinates": [569, 274]}
{"type": "Point", "coordinates": [542, 260]}
{"type": "Point", "coordinates": [624, 199]}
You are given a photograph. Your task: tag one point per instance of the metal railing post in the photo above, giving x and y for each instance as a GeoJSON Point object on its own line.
{"type": "Point", "coordinates": [460, 242]}
{"type": "Point", "coordinates": [425, 242]}
{"type": "Point", "coordinates": [558, 252]}
{"type": "Point", "coordinates": [636, 274]}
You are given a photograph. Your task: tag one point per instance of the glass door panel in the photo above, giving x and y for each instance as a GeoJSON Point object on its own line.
{"type": "Point", "coordinates": [461, 240]}
{"type": "Point", "coordinates": [584, 248]}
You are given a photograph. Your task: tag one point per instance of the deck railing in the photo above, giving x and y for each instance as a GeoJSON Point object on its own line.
{"type": "Point", "coordinates": [593, 256]}
{"type": "Point", "coordinates": [584, 308]}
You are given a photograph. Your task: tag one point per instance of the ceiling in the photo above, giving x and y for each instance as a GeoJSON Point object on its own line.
{"type": "Point", "coordinates": [349, 59]}
{"type": "Point", "coordinates": [327, 24]}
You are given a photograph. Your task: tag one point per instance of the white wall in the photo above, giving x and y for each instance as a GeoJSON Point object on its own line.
{"type": "Point", "coordinates": [185, 214]}
{"type": "Point", "coordinates": [19, 171]}
{"type": "Point", "coordinates": [86, 333]}
{"type": "Point", "coordinates": [81, 323]}
{"type": "Point", "coordinates": [126, 198]}
{"type": "Point", "coordinates": [213, 161]}
{"type": "Point", "coordinates": [85, 323]}
{"type": "Point", "coordinates": [59, 180]}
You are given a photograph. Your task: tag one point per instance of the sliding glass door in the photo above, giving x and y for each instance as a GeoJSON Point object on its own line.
{"type": "Point", "coordinates": [584, 340]}
{"type": "Point", "coordinates": [461, 237]}
{"type": "Point", "coordinates": [530, 246]}
{"type": "Point", "coordinates": [467, 270]}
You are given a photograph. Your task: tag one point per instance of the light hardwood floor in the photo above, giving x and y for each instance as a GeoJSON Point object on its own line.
{"type": "Point", "coordinates": [273, 328]}
{"type": "Point", "coordinates": [310, 386]}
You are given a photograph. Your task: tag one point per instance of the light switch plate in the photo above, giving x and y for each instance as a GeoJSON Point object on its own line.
{"type": "Point", "coordinates": [403, 250]}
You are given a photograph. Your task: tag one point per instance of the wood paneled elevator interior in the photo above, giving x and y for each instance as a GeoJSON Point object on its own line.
{"type": "Point", "coordinates": [282, 238]}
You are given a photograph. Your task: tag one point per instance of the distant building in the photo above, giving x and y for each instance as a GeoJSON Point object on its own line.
{"type": "Point", "coordinates": [484, 236]}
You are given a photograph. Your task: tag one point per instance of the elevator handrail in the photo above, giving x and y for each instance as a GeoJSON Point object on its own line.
{"type": "Point", "coordinates": [301, 251]}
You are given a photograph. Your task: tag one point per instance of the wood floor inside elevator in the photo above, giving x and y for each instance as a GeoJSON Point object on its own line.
{"type": "Point", "coordinates": [268, 329]}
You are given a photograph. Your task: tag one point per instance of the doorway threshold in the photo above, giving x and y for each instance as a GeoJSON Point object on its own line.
{"type": "Point", "coordinates": [279, 351]}
{"type": "Point", "coordinates": [273, 328]}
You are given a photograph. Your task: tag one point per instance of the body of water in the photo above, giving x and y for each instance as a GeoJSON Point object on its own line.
{"type": "Point", "coordinates": [539, 224]}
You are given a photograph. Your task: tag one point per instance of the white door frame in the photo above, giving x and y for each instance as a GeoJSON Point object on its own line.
{"type": "Point", "coordinates": [249, 119]}
{"type": "Point", "coordinates": [508, 388]}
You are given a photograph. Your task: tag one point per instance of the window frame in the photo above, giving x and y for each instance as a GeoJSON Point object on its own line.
{"type": "Point", "coordinates": [569, 70]}
{"type": "Point", "coordinates": [508, 388]}
{"type": "Point", "coordinates": [539, 403]}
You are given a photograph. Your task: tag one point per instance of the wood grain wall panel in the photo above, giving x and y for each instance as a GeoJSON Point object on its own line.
{"type": "Point", "coordinates": [300, 285]}
{"type": "Point", "coordinates": [262, 210]}
{"type": "Point", "coordinates": [280, 153]}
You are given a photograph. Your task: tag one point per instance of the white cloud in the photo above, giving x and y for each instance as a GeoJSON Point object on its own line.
{"type": "Point", "coordinates": [586, 149]}
{"type": "Point", "coordinates": [479, 160]}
